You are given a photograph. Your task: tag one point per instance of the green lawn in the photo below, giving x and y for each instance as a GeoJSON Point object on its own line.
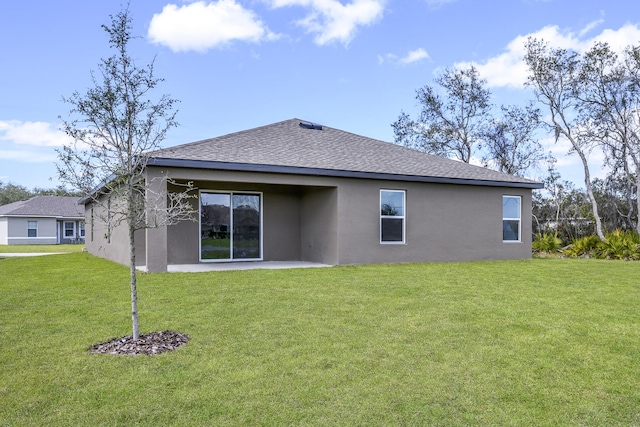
{"type": "Point", "coordinates": [4, 249]}
{"type": "Point", "coordinates": [544, 342]}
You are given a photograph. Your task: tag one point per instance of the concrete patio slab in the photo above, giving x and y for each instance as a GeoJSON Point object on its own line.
{"type": "Point", "coordinates": [249, 265]}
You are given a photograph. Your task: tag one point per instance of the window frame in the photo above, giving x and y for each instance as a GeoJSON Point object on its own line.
{"type": "Point", "coordinates": [402, 217]}
{"type": "Point", "coordinates": [231, 193]}
{"type": "Point", "coordinates": [35, 223]}
{"type": "Point", "coordinates": [519, 218]}
{"type": "Point", "coordinates": [65, 229]}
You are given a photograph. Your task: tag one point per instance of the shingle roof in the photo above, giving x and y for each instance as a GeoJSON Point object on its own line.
{"type": "Point", "coordinates": [47, 206]}
{"type": "Point", "coordinates": [289, 147]}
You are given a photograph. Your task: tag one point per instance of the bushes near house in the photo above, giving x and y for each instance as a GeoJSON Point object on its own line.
{"type": "Point", "coordinates": [582, 247]}
{"type": "Point", "coordinates": [622, 245]}
{"type": "Point", "coordinates": [547, 242]}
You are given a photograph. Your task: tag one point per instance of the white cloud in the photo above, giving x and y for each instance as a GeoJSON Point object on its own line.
{"type": "Point", "coordinates": [204, 25]}
{"type": "Point", "coordinates": [414, 56]}
{"type": "Point", "coordinates": [590, 26]}
{"type": "Point", "coordinates": [39, 134]}
{"type": "Point", "coordinates": [411, 57]}
{"type": "Point", "coordinates": [332, 21]}
{"type": "Point", "coordinates": [509, 69]}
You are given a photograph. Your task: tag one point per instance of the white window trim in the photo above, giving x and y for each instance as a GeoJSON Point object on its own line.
{"type": "Point", "coordinates": [403, 217]}
{"type": "Point", "coordinates": [231, 193]}
{"type": "Point", "coordinates": [519, 219]}
{"type": "Point", "coordinates": [36, 223]}
{"type": "Point", "coordinates": [64, 230]}
{"type": "Point", "coordinates": [82, 229]}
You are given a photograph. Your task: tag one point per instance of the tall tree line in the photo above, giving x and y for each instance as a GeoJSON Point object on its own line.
{"type": "Point", "coordinates": [10, 192]}
{"type": "Point", "coordinates": [590, 100]}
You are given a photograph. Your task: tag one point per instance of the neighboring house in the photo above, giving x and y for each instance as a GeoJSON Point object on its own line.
{"type": "Point", "coordinates": [294, 190]}
{"type": "Point", "coordinates": [42, 220]}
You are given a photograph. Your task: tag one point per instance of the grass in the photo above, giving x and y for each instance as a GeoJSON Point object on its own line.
{"type": "Point", "coordinates": [5, 249]}
{"type": "Point", "coordinates": [545, 342]}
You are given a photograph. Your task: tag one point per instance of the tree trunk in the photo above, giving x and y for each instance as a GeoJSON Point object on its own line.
{"type": "Point", "coordinates": [637, 199]}
{"type": "Point", "coordinates": [592, 199]}
{"type": "Point", "coordinates": [132, 273]}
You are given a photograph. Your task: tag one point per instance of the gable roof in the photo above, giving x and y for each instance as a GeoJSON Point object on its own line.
{"type": "Point", "coordinates": [299, 147]}
{"type": "Point", "coordinates": [45, 206]}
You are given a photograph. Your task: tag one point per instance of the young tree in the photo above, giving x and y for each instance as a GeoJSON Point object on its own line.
{"type": "Point", "coordinates": [115, 126]}
{"type": "Point", "coordinates": [554, 75]}
{"type": "Point", "coordinates": [451, 125]}
{"type": "Point", "coordinates": [510, 142]}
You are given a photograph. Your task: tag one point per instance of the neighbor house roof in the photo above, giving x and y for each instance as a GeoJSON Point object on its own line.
{"type": "Point", "coordinates": [299, 147]}
{"type": "Point", "coordinates": [45, 206]}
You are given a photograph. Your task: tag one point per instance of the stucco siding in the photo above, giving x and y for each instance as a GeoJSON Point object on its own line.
{"type": "Point", "coordinates": [183, 241]}
{"type": "Point", "coordinates": [108, 242]}
{"type": "Point", "coordinates": [320, 226]}
{"type": "Point", "coordinates": [281, 225]}
{"type": "Point", "coordinates": [336, 220]}
{"type": "Point", "coordinates": [4, 231]}
{"type": "Point", "coordinates": [17, 231]}
{"type": "Point", "coordinates": [443, 223]}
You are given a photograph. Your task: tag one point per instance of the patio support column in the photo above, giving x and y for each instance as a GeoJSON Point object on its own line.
{"type": "Point", "coordinates": [156, 237]}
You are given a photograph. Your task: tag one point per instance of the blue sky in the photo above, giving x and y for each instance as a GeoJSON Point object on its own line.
{"type": "Point", "coordinates": [238, 64]}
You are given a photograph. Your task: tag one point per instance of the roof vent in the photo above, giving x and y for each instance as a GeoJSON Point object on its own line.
{"type": "Point", "coordinates": [309, 125]}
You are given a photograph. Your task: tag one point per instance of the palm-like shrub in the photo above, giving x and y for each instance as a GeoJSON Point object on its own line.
{"type": "Point", "coordinates": [585, 246]}
{"type": "Point", "coordinates": [620, 245]}
{"type": "Point", "coordinates": [547, 242]}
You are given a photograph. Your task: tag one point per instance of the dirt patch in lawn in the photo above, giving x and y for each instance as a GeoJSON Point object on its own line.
{"type": "Point", "coordinates": [147, 344]}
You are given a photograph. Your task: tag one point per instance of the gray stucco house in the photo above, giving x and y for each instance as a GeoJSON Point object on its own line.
{"type": "Point", "coordinates": [297, 191]}
{"type": "Point", "coordinates": [42, 220]}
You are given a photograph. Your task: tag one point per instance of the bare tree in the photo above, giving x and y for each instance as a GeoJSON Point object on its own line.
{"type": "Point", "coordinates": [115, 125]}
{"type": "Point", "coordinates": [451, 125]}
{"type": "Point", "coordinates": [554, 75]}
{"type": "Point", "coordinates": [608, 110]}
{"type": "Point", "coordinates": [510, 142]}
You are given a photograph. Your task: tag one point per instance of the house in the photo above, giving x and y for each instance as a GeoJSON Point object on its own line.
{"type": "Point", "coordinates": [298, 191]}
{"type": "Point", "coordinates": [42, 220]}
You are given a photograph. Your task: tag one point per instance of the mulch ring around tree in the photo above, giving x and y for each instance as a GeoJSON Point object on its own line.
{"type": "Point", "coordinates": [147, 344]}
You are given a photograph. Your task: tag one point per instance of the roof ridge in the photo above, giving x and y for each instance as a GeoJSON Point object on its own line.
{"type": "Point", "coordinates": [236, 133]}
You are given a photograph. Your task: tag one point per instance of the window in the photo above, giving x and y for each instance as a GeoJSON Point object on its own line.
{"type": "Point", "coordinates": [511, 218]}
{"type": "Point", "coordinates": [392, 216]}
{"type": "Point", "coordinates": [69, 229]}
{"type": "Point", "coordinates": [82, 229]}
{"type": "Point", "coordinates": [32, 228]}
{"type": "Point", "coordinates": [230, 226]}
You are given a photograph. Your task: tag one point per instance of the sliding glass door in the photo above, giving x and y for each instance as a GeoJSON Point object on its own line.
{"type": "Point", "coordinates": [230, 226]}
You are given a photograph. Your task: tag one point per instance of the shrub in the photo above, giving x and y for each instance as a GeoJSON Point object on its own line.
{"type": "Point", "coordinates": [585, 246]}
{"type": "Point", "coordinates": [547, 242]}
{"type": "Point", "coordinates": [620, 245]}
